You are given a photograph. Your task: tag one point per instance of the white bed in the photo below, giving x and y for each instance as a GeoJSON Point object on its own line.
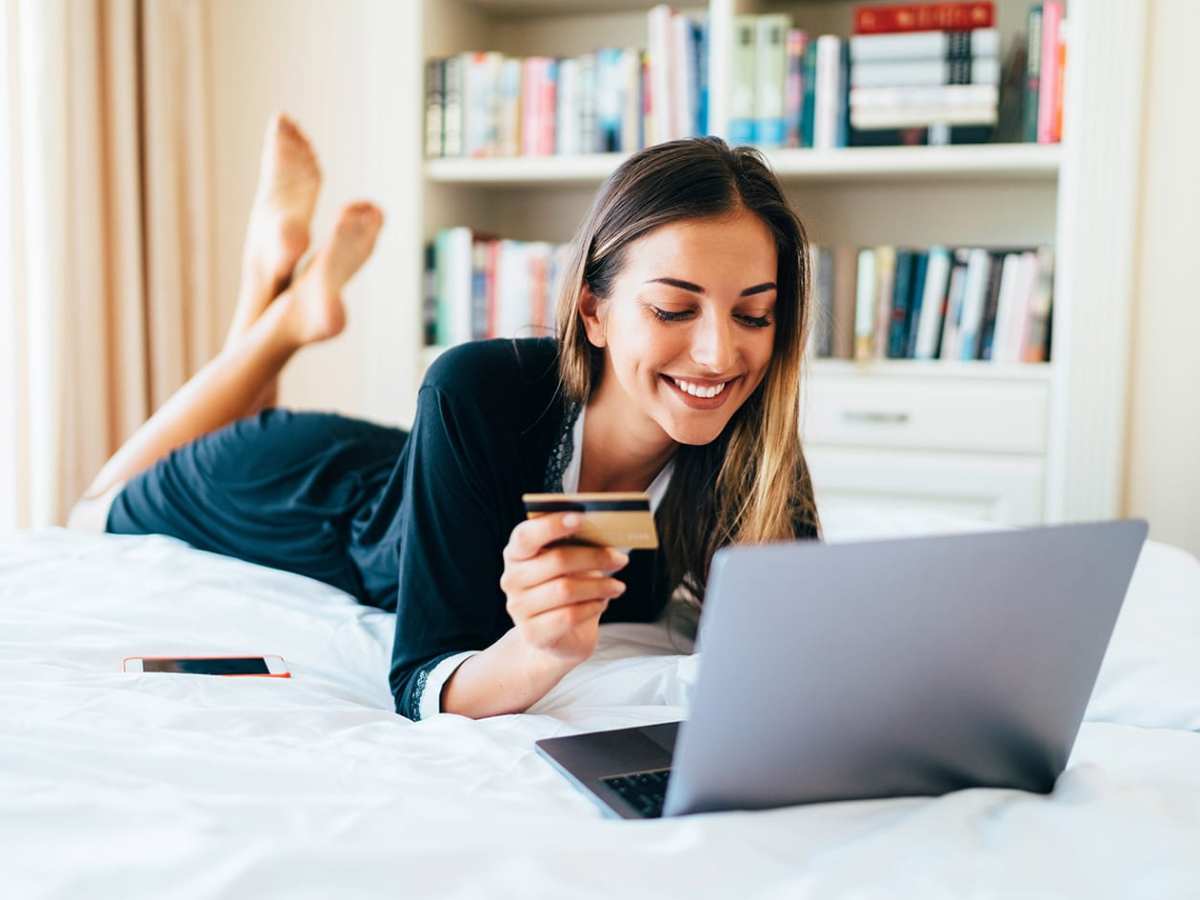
{"type": "Point", "coordinates": [120, 785]}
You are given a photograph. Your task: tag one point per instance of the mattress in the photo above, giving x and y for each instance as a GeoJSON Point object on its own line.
{"type": "Point", "coordinates": [124, 785]}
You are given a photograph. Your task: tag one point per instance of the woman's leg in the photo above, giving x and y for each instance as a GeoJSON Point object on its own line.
{"type": "Point", "coordinates": [310, 310]}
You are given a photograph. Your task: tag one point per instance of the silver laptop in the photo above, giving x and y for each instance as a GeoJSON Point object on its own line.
{"type": "Point", "coordinates": [912, 666]}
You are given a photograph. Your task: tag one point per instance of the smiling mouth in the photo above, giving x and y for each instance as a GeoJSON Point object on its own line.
{"type": "Point", "coordinates": [705, 393]}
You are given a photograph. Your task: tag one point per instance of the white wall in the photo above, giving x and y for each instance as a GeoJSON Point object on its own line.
{"type": "Point", "coordinates": [1163, 460]}
{"type": "Point", "coordinates": [345, 71]}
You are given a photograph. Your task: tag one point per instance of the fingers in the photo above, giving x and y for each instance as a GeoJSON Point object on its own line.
{"type": "Point", "coordinates": [566, 591]}
{"type": "Point", "coordinates": [557, 561]}
{"type": "Point", "coordinates": [548, 628]}
{"type": "Point", "coordinates": [529, 537]}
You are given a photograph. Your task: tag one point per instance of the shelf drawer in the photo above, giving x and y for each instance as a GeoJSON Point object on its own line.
{"type": "Point", "coordinates": [1006, 489]}
{"type": "Point", "coordinates": [930, 413]}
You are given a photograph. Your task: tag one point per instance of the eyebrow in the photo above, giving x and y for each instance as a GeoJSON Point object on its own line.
{"type": "Point", "coordinates": [696, 289]}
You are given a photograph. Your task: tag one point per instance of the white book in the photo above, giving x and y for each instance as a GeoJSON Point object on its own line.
{"type": "Point", "coordinates": [827, 100]}
{"type": "Point", "coordinates": [770, 58]}
{"type": "Point", "coordinates": [631, 101]}
{"type": "Point", "coordinates": [658, 29]}
{"type": "Point", "coordinates": [458, 282]}
{"type": "Point", "coordinates": [954, 299]}
{"type": "Point", "coordinates": [566, 114]}
{"type": "Point", "coordinates": [587, 104]}
{"type": "Point", "coordinates": [683, 77]}
{"type": "Point", "coordinates": [921, 116]}
{"type": "Point", "coordinates": [925, 44]}
{"type": "Point", "coordinates": [929, 323]}
{"type": "Point", "coordinates": [864, 305]}
{"type": "Point", "coordinates": [885, 286]}
{"type": "Point", "coordinates": [863, 98]}
{"type": "Point", "coordinates": [924, 72]}
{"type": "Point", "coordinates": [744, 82]}
{"type": "Point", "coordinates": [1010, 321]}
{"type": "Point", "coordinates": [974, 295]}
{"type": "Point", "coordinates": [512, 289]}
{"type": "Point", "coordinates": [509, 109]}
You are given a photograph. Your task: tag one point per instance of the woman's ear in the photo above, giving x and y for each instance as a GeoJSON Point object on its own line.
{"type": "Point", "coordinates": [593, 321]}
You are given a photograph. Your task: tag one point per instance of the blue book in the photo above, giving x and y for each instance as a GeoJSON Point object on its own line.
{"type": "Point", "coordinates": [843, 130]}
{"type": "Point", "coordinates": [700, 39]}
{"type": "Point", "coordinates": [810, 94]}
{"type": "Point", "coordinates": [901, 294]}
{"type": "Point", "coordinates": [914, 306]}
{"type": "Point", "coordinates": [609, 97]}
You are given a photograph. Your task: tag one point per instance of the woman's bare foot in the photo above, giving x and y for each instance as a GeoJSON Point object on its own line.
{"type": "Point", "coordinates": [289, 179]}
{"type": "Point", "coordinates": [315, 309]}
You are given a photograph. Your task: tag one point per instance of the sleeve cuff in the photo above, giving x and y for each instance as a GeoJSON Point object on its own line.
{"type": "Point", "coordinates": [431, 691]}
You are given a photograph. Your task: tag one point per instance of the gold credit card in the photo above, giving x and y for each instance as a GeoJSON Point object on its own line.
{"type": "Point", "coordinates": [609, 519]}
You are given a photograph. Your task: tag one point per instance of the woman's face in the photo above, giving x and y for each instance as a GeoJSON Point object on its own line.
{"type": "Point", "coordinates": [689, 325]}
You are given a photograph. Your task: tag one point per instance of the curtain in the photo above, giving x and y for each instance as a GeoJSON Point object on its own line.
{"type": "Point", "coordinates": [105, 235]}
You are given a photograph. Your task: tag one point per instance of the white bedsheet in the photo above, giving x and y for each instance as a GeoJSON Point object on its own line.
{"type": "Point", "coordinates": [120, 785]}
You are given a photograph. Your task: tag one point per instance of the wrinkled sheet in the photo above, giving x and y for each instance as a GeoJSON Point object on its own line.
{"type": "Point", "coordinates": [115, 784]}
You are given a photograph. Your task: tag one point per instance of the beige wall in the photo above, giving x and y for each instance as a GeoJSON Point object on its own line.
{"type": "Point", "coordinates": [1163, 460]}
{"type": "Point", "coordinates": [346, 71]}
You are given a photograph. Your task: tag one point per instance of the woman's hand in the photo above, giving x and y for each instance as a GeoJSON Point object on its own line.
{"type": "Point", "coordinates": [556, 594]}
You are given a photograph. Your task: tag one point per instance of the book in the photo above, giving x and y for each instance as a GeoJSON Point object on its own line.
{"type": "Point", "coordinates": [888, 73]}
{"type": "Point", "coordinates": [915, 304]}
{"type": "Point", "coordinates": [987, 319]}
{"type": "Point", "coordinates": [658, 28]}
{"type": "Point", "coordinates": [435, 98]}
{"type": "Point", "coordinates": [845, 267]}
{"type": "Point", "coordinates": [916, 136]}
{"type": "Point", "coordinates": [828, 100]}
{"type": "Point", "coordinates": [808, 111]}
{"type": "Point", "coordinates": [744, 73]}
{"type": "Point", "coordinates": [932, 308]}
{"type": "Point", "coordinates": [893, 17]}
{"type": "Point", "coordinates": [1048, 81]}
{"type": "Point", "coordinates": [452, 113]}
{"type": "Point", "coordinates": [793, 95]}
{"type": "Point", "coordinates": [821, 329]}
{"type": "Point", "coordinates": [901, 295]}
{"type": "Point", "coordinates": [979, 264]}
{"type": "Point", "coordinates": [1033, 63]}
{"type": "Point", "coordinates": [1036, 331]}
{"type": "Point", "coordinates": [864, 306]}
{"type": "Point", "coordinates": [945, 95]}
{"type": "Point", "coordinates": [770, 50]}
{"type": "Point", "coordinates": [949, 348]}
{"type": "Point", "coordinates": [918, 116]}
{"type": "Point", "coordinates": [699, 61]}
{"type": "Point", "coordinates": [567, 114]}
{"type": "Point", "coordinates": [925, 45]}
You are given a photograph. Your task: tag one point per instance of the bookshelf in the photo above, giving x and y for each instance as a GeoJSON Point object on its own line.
{"type": "Point", "coordinates": [1014, 443]}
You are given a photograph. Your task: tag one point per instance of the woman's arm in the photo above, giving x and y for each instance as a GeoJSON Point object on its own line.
{"type": "Point", "coordinates": [507, 677]}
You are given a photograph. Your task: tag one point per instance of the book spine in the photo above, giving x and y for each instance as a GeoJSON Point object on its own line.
{"type": "Point", "coordinates": [1033, 62]}
{"type": "Point", "coordinates": [547, 101]}
{"type": "Point", "coordinates": [1059, 83]}
{"type": "Point", "coordinates": [929, 325]}
{"type": "Point", "coordinates": [982, 70]}
{"type": "Point", "coordinates": [631, 109]}
{"type": "Point", "coordinates": [808, 111]}
{"type": "Point", "coordinates": [828, 92]}
{"type": "Point", "coordinates": [586, 100]}
{"type": "Point", "coordinates": [566, 115]}
{"type": "Point", "coordinates": [682, 87]}
{"type": "Point", "coordinates": [479, 312]}
{"type": "Point", "coordinates": [659, 51]}
{"type": "Point", "coordinates": [793, 102]}
{"type": "Point", "coordinates": [915, 305]}
{"type": "Point", "coordinates": [700, 39]}
{"type": "Point", "coordinates": [902, 287]}
{"type": "Point", "coordinates": [949, 348]}
{"type": "Point", "coordinates": [925, 45]}
{"type": "Point", "coordinates": [987, 321]}
{"type": "Point", "coordinates": [771, 75]}
{"type": "Point", "coordinates": [429, 308]}
{"type": "Point", "coordinates": [864, 307]}
{"type": "Point", "coordinates": [1035, 344]}
{"type": "Point", "coordinates": [895, 17]}
{"type": "Point", "coordinates": [741, 97]}
{"type": "Point", "coordinates": [435, 106]}
{"type": "Point", "coordinates": [1048, 80]}
{"type": "Point", "coordinates": [885, 284]}
{"type": "Point", "coordinates": [845, 262]}
{"type": "Point", "coordinates": [452, 133]}
{"type": "Point", "coordinates": [974, 296]}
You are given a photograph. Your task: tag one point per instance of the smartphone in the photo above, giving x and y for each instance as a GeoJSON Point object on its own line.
{"type": "Point", "coordinates": [609, 519]}
{"type": "Point", "coordinates": [262, 666]}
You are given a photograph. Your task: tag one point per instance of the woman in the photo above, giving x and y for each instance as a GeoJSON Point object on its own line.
{"type": "Point", "coordinates": [675, 370]}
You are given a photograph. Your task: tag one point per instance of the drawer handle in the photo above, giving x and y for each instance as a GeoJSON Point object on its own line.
{"type": "Point", "coordinates": [875, 417]}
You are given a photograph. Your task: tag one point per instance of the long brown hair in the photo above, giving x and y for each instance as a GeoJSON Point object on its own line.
{"type": "Point", "coordinates": [750, 484]}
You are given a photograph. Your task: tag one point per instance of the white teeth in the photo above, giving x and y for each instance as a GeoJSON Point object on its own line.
{"type": "Point", "coordinates": [697, 390]}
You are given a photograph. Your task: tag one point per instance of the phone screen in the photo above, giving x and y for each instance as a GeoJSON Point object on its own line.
{"type": "Point", "coordinates": [242, 665]}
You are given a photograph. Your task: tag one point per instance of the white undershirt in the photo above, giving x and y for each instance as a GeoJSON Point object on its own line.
{"type": "Point", "coordinates": [431, 695]}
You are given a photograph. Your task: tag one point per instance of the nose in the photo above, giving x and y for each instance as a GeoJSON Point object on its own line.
{"type": "Point", "coordinates": [713, 344]}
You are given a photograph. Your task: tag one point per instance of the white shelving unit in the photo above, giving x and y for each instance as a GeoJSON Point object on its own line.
{"type": "Point", "coordinates": [1014, 444]}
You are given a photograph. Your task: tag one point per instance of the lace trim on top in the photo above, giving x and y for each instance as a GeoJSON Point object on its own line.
{"type": "Point", "coordinates": [563, 449]}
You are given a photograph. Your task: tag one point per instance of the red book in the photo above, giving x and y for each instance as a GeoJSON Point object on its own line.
{"type": "Point", "coordinates": [924, 17]}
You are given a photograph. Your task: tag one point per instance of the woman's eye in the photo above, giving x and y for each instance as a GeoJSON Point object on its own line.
{"type": "Point", "coordinates": [666, 315]}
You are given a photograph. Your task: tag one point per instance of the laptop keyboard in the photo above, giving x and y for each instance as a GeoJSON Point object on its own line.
{"type": "Point", "coordinates": [644, 791]}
